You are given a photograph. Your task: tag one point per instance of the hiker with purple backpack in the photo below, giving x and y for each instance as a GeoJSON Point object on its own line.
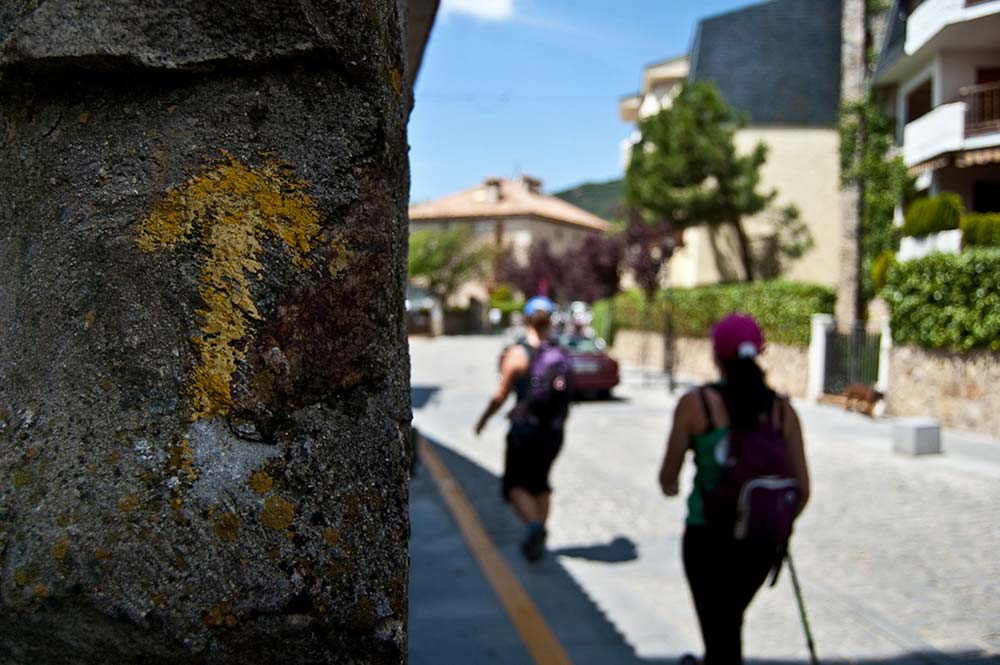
{"type": "Point", "coordinates": [751, 482]}
{"type": "Point", "coordinates": [540, 375]}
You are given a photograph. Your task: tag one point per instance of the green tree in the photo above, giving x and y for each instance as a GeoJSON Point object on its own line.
{"type": "Point", "coordinates": [685, 171]}
{"type": "Point", "coordinates": [442, 261]}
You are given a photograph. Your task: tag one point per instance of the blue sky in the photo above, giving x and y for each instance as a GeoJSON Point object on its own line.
{"type": "Point", "coordinates": [510, 86]}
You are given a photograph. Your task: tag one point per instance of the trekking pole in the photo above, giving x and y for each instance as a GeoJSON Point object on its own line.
{"type": "Point", "coordinates": [802, 609]}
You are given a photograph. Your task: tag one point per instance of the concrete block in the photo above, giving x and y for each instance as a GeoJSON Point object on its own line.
{"type": "Point", "coordinates": [916, 436]}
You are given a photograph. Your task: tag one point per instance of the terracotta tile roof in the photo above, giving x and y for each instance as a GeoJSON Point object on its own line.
{"type": "Point", "coordinates": [499, 198]}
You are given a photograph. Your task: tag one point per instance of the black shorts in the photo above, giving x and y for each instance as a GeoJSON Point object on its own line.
{"type": "Point", "coordinates": [530, 454]}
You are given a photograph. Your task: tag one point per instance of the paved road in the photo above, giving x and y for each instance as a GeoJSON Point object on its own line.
{"type": "Point", "coordinates": [898, 556]}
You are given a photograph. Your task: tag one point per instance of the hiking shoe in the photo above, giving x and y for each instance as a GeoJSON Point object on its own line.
{"type": "Point", "coordinates": [533, 546]}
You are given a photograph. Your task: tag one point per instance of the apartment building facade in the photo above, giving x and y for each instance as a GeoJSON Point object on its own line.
{"type": "Point", "coordinates": [939, 76]}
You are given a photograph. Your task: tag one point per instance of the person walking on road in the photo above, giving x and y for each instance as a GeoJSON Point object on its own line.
{"type": "Point", "coordinates": [728, 425]}
{"type": "Point", "coordinates": [539, 373]}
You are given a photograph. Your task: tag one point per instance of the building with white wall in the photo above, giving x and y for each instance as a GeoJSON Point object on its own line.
{"type": "Point", "coordinates": [939, 72]}
{"type": "Point", "coordinates": [779, 63]}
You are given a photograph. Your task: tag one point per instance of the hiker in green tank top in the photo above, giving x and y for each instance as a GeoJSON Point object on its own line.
{"type": "Point", "coordinates": [724, 573]}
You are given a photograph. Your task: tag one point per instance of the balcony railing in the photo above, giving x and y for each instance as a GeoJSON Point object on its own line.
{"type": "Point", "coordinates": [982, 115]}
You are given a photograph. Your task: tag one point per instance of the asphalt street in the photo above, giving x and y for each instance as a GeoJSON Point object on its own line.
{"type": "Point", "coordinates": [898, 556]}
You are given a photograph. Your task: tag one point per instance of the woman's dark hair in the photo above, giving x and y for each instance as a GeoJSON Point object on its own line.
{"type": "Point", "coordinates": [745, 393]}
{"type": "Point", "coordinates": [540, 321]}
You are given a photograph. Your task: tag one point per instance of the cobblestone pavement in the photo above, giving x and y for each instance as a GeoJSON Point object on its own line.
{"type": "Point", "coordinates": [898, 556]}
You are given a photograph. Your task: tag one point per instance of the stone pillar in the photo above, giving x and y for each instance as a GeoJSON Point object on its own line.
{"type": "Point", "coordinates": [821, 326]}
{"type": "Point", "coordinates": [884, 359]}
{"type": "Point", "coordinates": [854, 72]}
{"type": "Point", "coordinates": [204, 404]}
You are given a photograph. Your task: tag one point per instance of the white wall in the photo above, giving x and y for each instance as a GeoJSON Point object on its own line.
{"type": "Point", "coordinates": [957, 69]}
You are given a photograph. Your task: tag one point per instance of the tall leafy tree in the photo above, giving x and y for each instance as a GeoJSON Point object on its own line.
{"type": "Point", "coordinates": [685, 170]}
{"type": "Point", "coordinates": [444, 260]}
{"type": "Point", "coordinates": [593, 270]}
{"type": "Point", "coordinates": [541, 274]}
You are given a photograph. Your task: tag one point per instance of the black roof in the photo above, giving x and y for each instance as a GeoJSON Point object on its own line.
{"type": "Point", "coordinates": [778, 62]}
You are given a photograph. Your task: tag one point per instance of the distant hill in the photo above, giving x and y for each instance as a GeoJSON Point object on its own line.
{"type": "Point", "coordinates": [599, 198]}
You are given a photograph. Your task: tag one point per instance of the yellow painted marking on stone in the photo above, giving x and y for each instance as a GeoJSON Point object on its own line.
{"type": "Point", "coordinates": [228, 210]}
{"type": "Point", "coordinates": [541, 643]}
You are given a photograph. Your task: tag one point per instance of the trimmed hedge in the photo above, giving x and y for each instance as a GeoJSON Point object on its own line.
{"type": "Point", "coordinates": [782, 308]}
{"type": "Point", "coordinates": [981, 229]}
{"type": "Point", "coordinates": [946, 301]}
{"type": "Point", "coordinates": [930, 215]}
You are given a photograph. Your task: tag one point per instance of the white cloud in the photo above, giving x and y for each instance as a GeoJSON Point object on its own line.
{"type": "Point", "coordinates": [486, 10]}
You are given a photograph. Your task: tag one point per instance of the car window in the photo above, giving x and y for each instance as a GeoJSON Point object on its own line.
{"type": "Point", "coordinates": [581, 344]}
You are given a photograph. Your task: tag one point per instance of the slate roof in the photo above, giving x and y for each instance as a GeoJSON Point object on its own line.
{"type": "Point", "coordinates": [513, 198]}
{"type": "Point", "coordinates": [778, 62]}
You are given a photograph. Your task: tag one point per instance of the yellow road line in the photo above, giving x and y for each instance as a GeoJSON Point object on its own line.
{"type": "Point", "coordinates": [535, 632]}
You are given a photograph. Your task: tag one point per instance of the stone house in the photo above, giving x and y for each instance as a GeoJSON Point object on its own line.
{"type": "Point", "coordinates": [510, 214]}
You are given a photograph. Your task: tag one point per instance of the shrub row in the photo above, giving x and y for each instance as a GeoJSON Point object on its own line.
{"type": "Point", "coordinates": [981, 230]}
{"type": "Point", "coordinates": [930, 215]}
{"type": "Point", "coordinates": [946, 301]}
{"type": "Point", "coordinates": [782, 308]}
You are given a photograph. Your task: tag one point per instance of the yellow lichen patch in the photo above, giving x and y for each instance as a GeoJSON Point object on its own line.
{"type": "Point", "coordinates": [41, 591]}
{"type": "Point", "coordinates": [261, 482]}
{"type": "Point", "coordinates": [340, 260]}
{"type": "Point", "coordinates": [331, 536]}
{"type": "Point", "coordinates": [180, 459]}
{"type": "Point", "coordinates": [277, 513]}
{"type": "Point", "coordinates": [84, 117]}
{"type": "Point", "coordinates": [60, 549]}
{"type": "Point", "coordinates": [21, 478]}
{"type": "Point", "coordinates": [128, 503]}
{"type": "Point", "coordinates": [219, 616]}
{"type": "Point", "coordinates": [225, 526]}
{"type": "Point", "coordinates": [32, 453]}
{"type": "Point", "coordinates": [157, 600]}
{"type": "Point", "coordinates": [24, 575]}
{"type": "Point", "coordinates": [106, 384]}
{"type": "Point", "coordinates": [396, 77]}
{"type": "Point", "coordinates": [229, 209]}
{"type": "Point", "coordinates": [101, 554]}
{"type": "Point", "coordinates": [88, 320]}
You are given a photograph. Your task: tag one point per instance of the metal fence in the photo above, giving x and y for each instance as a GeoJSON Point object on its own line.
{"type": "Point", "coordinates": [851, 359]}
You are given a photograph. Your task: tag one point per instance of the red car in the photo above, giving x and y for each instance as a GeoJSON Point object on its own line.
{"type": "Point", "coordinates": [595, 372]}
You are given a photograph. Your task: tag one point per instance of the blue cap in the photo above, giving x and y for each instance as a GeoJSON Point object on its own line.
{"type": "Point", "coordinates": [539, 304]}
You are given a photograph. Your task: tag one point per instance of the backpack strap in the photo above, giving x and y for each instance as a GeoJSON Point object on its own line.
{"type": "Point", "coordinates": [702, 393]}
{"type": "Point", "coordinates": [778, 411]}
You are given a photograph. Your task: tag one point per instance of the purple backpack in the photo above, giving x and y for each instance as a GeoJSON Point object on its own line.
{"type": "Point", "coordinates": [549, 388]}
{"type": "Point", "coordinates": [757, 496]}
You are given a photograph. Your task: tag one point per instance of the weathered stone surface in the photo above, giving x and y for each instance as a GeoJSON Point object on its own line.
{"type": "Point", "coordinates": [203, 385]}
{"type": "Point", "coordinates": [959, 389]}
